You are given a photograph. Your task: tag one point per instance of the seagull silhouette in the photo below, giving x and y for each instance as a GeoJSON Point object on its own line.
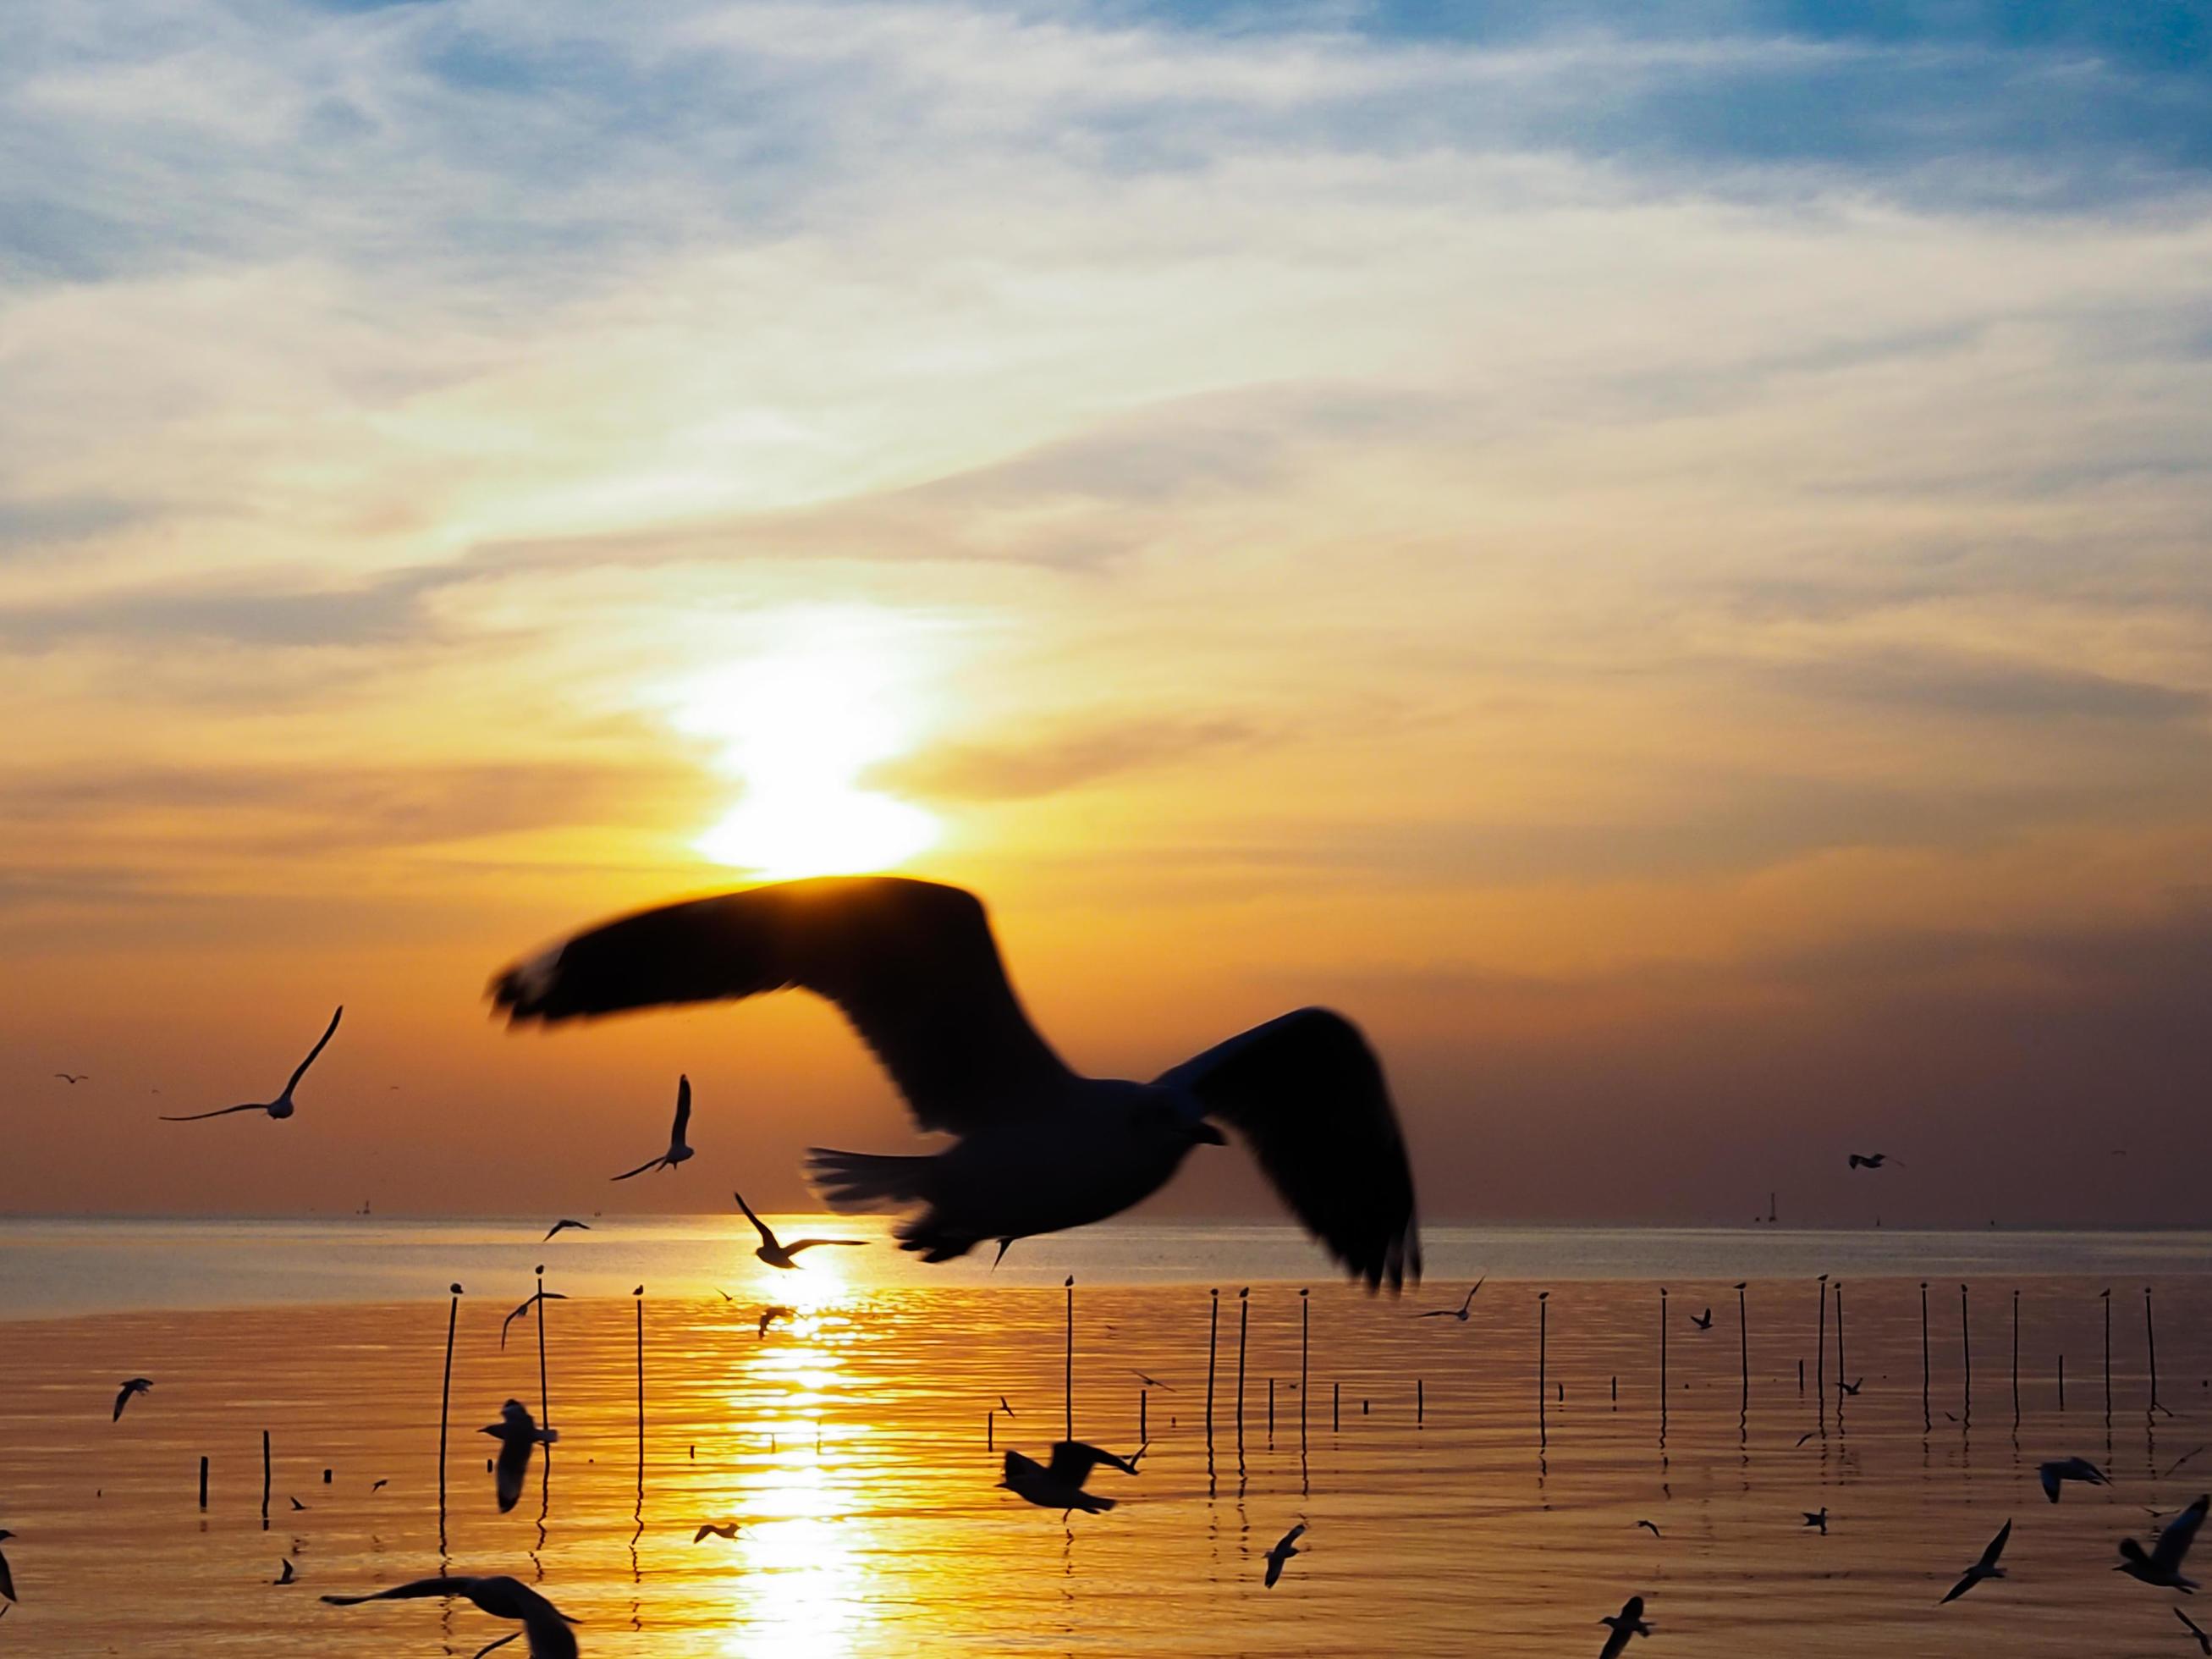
{"type": "Point", "coordinates": [2068, 1468]}
{"type": "Point", "coordinates": [2162, 1565]}
{"type": "Point", "coordinates": [1874, 1160]}
{"type": "Point", "coordinates": [1819, 1520]}
{"type": "Point", "coordinates": [136, 1385]}
{"type": "Point", "coordinates": [563, 1225]}
{"type": "Point", "coordinates": [1704, 1321]}
{"type": "Point", "coordinates": [286, 1576]}
{"type": "Point", "coordinates": [7, 1579]}
{"type": "Point", "coordinates": [282, 1106]}
{"type": "Point", "coordinates": [528, 1303]}
{"type": "Point", "coordinates": [379, 1485]}
{"type": "Point", "coordinates": [715, 1529]}
{"type": "Point", "coordinates": [768, 1316]}
{"type": "Point", "coordinates": [544, 1625]}
{"type": "Point", "coordinates": [1004, 1406]}
{"type": "Point", "coordinates": [2203, 1642]}
{"type": "Point", "coordinates": [1987, 1567]}
{"type": "Point", "coordinates": [914, 966]}
{"type": "Point", "coordinates": [679, 1150]}
{"type": "Point", "coordinates": [2174, 1467]}
{"type": "Point", "coordinates": [779, 1255]}
{"type": "Point", "coordinates": [1649, 1527]}
{"type": "Point", "coordinates": [1059, 1485]}
{"type": "Point", "coordinates": [1460, 1312]}
{"type": "Point", "coordinates": [1843, 1387]}
{"type": "Point", "coordinates": [1286, 1547]}
{"type": "Point", "coordinates": [73, 1077]}
{"type": "Point", "coordinates": [518, 1435]}
{"type": "Point", "coordinates": [1150, 1381]}
{"type": "Point", "coordinates": [1628, 1622]}
{"type": "Point", "coordinates": [297, 1504]}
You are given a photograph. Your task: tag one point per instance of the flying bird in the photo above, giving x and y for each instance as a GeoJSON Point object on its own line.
{"type": "Point", "coordinates": [136, 1385]}
{"type": "Point", "coordinates": [286, 1576]}
{"type": "Point", "coordinates": [1987, 1567]}
{"type": "Point", "coordinates": [379, 1485]}
{"type": "Point", "coordinates": [2204, 1641]}
{"type": "Point", "coordinates": [518, 1435]}
{"type": "Point", "coordinates": [297, 1504]}
{"type": "Point", "coordinates": [777, 1254]}
{"type": "Point", "coordinates": [715, 1529]}
{"type": "Point", "coordinates": [1819, 1520]}
{"type": "Point", "coordinates": [2174, 1467]}
{"type": "Point", "coordinates": [1149, 1382]}
{"type": "Point", "coordinates": [7, 1579]}
{"type": "Point", "coordinates": [1460, 1312]}
{"type": "Point", "coordinates": [73, 1077]}
{"type": "Point", "coordinates": [1874, 1160]}
{"type": "Point", "coordinates": [528, 1303]}
{"type": "Point", "coordinates": [282, 1106]}
{"type": "Point", "coordinates": [2068, 1468]}
{"type": "Point", "coordinates": [1843, 1387]}
{"type": "Point", "coordinates": [544, 1625]}
{"type": "Point", "coordinates": [1004, 1406]}
{"type": "Point", "coordinates": [1807, 1434]}
{"type": "Point", "coordinates": [768, 1316]}
{"type": "Point", "coordinates": [2162, 1565]}
{"type": "Point", "coordinates": [563, 1225]}
{"type": "Point", "coordinates": [1059, 1485]}
{"type": "Point", "coordinates": [1704, 1321]}
{"type": "Point", "coordinates": [913, 965]}
{"type": "Point", "coordinates": [678, 1149]}
{"type": "Point", "coordinates": [1628, 1622]}
{"type": "Point", "coordinates": [1651, 1526]}
{"type": "Point", "coordinates": [1286, 1547]}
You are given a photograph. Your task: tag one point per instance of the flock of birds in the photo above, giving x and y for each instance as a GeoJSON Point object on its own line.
{"type": "Point", "coordinates": [1037, 1148]}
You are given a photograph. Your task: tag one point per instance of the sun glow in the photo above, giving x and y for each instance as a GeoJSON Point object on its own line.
{"type": "Point", "coordinates": [799, 722]}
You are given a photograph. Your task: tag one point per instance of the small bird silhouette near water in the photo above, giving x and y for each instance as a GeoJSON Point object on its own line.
{"type": "Point", "coordinates": [73, 1077]}
{"type": "Point", "coordinates": [2060, 1469]}
{"type": "Point", "coordinates": [528, 1303]}
{"type": "Point", "coordinates": [518, 1435]}
{"type": "Point", "coordinates": [1820, 1520]}
{"type": "Point", "coordinates": [768, 1316]}
{"type": "Point", "coordinates": [136, 1385]}
{"type": "Point", "coordinates": [724, 1529]}
{"type": "Point", "coordinates": [1651, 1526]}
{"type": "Point", "coordinates": [1987, 1567]}
{"type": "Point", "coordinates": [1286, 1547]}
{"type": "Point", "coordinates": [1845, 1387]}
{"type": "Point", "coordinates": [1150, 1381]}
{"type": "Point", "coordinates": [2204, 1641]}
{"type": "Point", "coordinates": [1459, 1313]}
{"type": "Point", "coordinates": [1004, 1406]}
{"type": "Point", "coordinates": [1704, 1321]}
{"type": "Point", "coordinates": [282, 1106]}
{"type": "Point", "coordinates": [679, 1148]}
{"type": "Point", "coordinates": [1874, 1160]}
{"type": "Point", "coordinates": [7, 1579]}
{"type": "Point", "coordinates": [286, 1576]}
{"type": "Point", "coordinates": [1059, 1485]}
{"type": "Point", "coordinates": [1628, 1622]}
{"type": "Point", "coordinates": [779, 1255]}
{"type": "Point", "coordinates": [544, 1625]}
{"type": "Point", "coordinates": [297, 1504]}
{"type": "Point", "coordinates": [2161, 1565]}
{"type": "Point", "coordinates": [563, 1225]}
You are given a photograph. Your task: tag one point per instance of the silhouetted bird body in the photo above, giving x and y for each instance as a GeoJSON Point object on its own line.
{"type": "Point", "coordinates": [2062, 1470]}
{"type": "Point", "coordinates": [564, 1225]}
{"type": "Point", "coordinates": [679, 1149]}
{"type": "Point", "coordinates": [1871, 1160]}
{"type": "Point", "coordinates": [518, 1435]}
{"type": "Point", "coordinates": [1459, 1313]}
{"type": "Point", "coordinates": [1286, 1547]}
{"type": "Point", "coordinates": [529, 1302]}
{"type": "Point", "coordinates": [1628, 1622]}
{"type": "Point", "coordinates": [1704, 1321]}
{"type": "Point", "coordinates": [2161, 1566]}
{"type": "Point", "coordinates": [914, 966]}
{"type": "Point", "coordinates": [544, 1626]}
{"type": "Point", "coordinates": [779, 1255]}
{"type": "Point", "coordinates": [1819, 1520]}
{"type": "Point", "coordinates": [282, 1106]}
{"type": "Point", "coordinates": [1987, 1567]}
{"type": "Point", "coordinates": [137, 1385]}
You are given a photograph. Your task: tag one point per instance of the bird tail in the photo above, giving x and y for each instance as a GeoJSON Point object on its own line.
{"type": "Point", "coordinates": [849, 1182]}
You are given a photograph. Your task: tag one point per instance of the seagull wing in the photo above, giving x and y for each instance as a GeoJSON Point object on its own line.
{"type": "Point", "coordinates": [911, 964]}
{"type": "Point", "coordinates": [1965, 1583]}
{"type": "Point", "coordinates": [408, 1592]}
{"type": "Point", "coordinates": [122, 1399]}
{"type": "Point", "coordinates": [797, 1245]}
{"type": "Point", "coordinates": [1274, 1568]}
{"type": "Point", "coordinates": [650, 1163]}
{"type": "Point", "coordinates": [1308, 1095]}
{"type": "Point", "coordinates": [2193, 1628]}
{"type": "Point", "coordinates": [1291, 1536]}
{"type": "Point", "coordinates": [682, 1113]}
{"type": "Point", "coordinates": [7, 1581]}
{"type": "Point", "coordinates": [1996, 1547]}
{"type": "Point", "coordinates": [767, 1238]}
{"type": "Point", "coordinates": [2049, 1475]}
{"type": "Point", "coordinates": [221, 1111]}
{"type": "Point", "coordinates": [1074, 1459]}
{"type": "Point", "coordinates": [2175, 1541]}
{"type": "Point", "coordinates": [321, 1043]}
{"type": "Point", "coordinates": [514, 1464]}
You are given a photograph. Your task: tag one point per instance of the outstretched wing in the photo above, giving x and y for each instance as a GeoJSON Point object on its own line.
{"type": "Point", "coordinates": [221, 1111]}
{"type": "Point", "coordinates": [2174, 1543]}
{"type": "Point", "coordinates": [1308, 1093]}
{"type": "Point", "coordinates": [1996, 1544]}
{"type": "Point", "coordinates": [409, 1592]}
{"type": "Point", "coordinates": [767, 1238]}
{"type": "Point", "coordinates": [799, 1244]}
{"type": "Point", "coordinates": [1074, 1459]}
{"type": "Point", "coordinates": [911, 964]}
{"type": "Point", "coordinates": [650, 1163]}
{"type": "Point", "coordinates": [321, 1043]}
{"type": "Point", "coordinates": [683, 1112]}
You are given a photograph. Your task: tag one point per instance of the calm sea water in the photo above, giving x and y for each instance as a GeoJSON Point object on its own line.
{"type": "Point", "coordinates": [1453, 1508]}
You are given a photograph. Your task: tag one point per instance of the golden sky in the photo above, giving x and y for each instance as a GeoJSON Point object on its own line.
{"type": "Point", "coordinates": [1656, 561]}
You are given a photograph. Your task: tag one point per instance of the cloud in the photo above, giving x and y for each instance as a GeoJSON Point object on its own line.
{"type": "Point", "coordinates": [1057, 762]}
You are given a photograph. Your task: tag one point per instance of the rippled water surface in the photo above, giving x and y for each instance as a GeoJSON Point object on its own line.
{"type": "Point", "coordinates": [855, 1446]}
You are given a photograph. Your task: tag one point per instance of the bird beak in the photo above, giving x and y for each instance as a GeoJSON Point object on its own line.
{"type": "Point", "coordinates": [1203, 1133]}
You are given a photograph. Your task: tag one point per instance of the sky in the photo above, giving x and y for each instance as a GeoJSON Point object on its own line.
{"type": "Point", "coordinates": [1653, 555]}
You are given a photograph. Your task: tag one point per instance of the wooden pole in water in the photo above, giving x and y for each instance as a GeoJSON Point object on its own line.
{"type": "Point", "coordinates": [1243, 1325]}
{"type": "Point", "coordinates": [1543, 1340]}
{"type": "Point", "coordinates": [446, 1396]}
{"type": "Point", "coordinates": [1305, 1323]}
{"type": "Point", "coordinates": [1820, 1353]}
{"type": "Point", "coordinates": [2061, 1382]}
{"type": "Point", "coordinates": [1271, 1411]}
{"type": "Point", "coordinates": [1335, 1407]}
{"type": "Point", "coordinates": [2106, 1295]}
{"type": "Point", "coordinates": [545, 1401]}
{"type": "Point", "coordinates": [991, 1430]}
{"type": "Point", "coordinates": [1923, 1354]}
{"type": "Point", "coordinates": [2150, 1336]}
{"type": "Point", "coordinates": [639, 1296]}
{"type": "Point", "coordinates": [1420, 1401]}
{"type": "Point", "coordinates": [1068, 1376]}
{"type": "Point", "coordinates": [1144, 1417]}
{"type": "Point", "coordinates": [1966, 1358]}
{"type": "Point", "coordinates": [1743, 1342]}
{"type": "Point", "coordinates": [1213, 1344]}
{"type": "Point", "coordinates": [2015, 1358]}
{"type": "Point", "coordinates": [1841, 1376]}
{"type": "Point", "coordinates": [1662, 1350]}
{"type": "Point", "coordinates": [203, 1480]}
{"type": "Point", "coordinates": [264, 1480]}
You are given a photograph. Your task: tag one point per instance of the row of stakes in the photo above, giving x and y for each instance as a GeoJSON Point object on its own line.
{"type": "Point", "coordinates": [1827, 1291]}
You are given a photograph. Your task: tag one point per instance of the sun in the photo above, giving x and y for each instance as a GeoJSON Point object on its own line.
{"type": "Point", "coordinates": [798, 723]}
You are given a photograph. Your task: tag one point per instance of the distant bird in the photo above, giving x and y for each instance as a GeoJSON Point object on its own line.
{"type": "Point", "coordinates": [1874, 1160]}
{"type": "Point", "coordinates": [1843, 1387]}
{"type": "Point", "coordinates": [2162, 1565]}
{"type": "Point", "coordinates": [678, 1149]}
{"type": "Point", "coordinates": [1150, 1381]}
{"type": "Point", "coordinates": [779, 1255]}
{"type": "Point", "coordinates": [1704, 1321]}
{"type": "Point", "coordinates": [563, 1225]}
{"type": "Point", "coordinates": [715, 1529]}
{"type": "Point", "coordinates": [7, 1579]}
{"type": "Point", "coordinates": [2204, 1641]}
{"type": "Point", "coordinates": [1987, 1567]}
{"type": "Point", "coordinates": [1820, 1520]}
{"type": "Point", "coordinates": [136, 1385]}
{"type": "Point", "coordinates": [1807, 1434]}
{"type": "Point", "coordinates": [1004, 1406]}
{"type": "Point", "coordinates": [914, 966]}
{"type": "Point", "coordinates": [518, 1435]}
{"type": "Point", "coordinates": [1059, 1485]}
{"type": "Point", "coordinates": [72, 1077]}
{"type": "Point", "coordinates": [724, 1294]}
{"type": "Point", "coordinates": [286, 1576]}
{"type": "Point", "coordinates": [297, 1504]}
{"type": "Point", "coordinates": [1651, 1526]}
{"type": "Point", "coordinates": [2068, 1468]}
{"type": "Point", "coordinates": [379, 1485]}
{"type": "Point", "coordinates": [2174, 1467]}
{"type": "Point", "coordinates": [1628, 1622]}
{"type": "Point", "coordinates": [768, 1316]}
{"type": "Point", "coordinates": [1286, 1547]}
{"type": "Point", "coordinates": [544, 1625]}
{"type": "Point", "coordinates": [282, 1106]}
{"type": "Point", "coordinates": [1460, 1312]}
{"type": "Point", "coordinates": [528, 1303]}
